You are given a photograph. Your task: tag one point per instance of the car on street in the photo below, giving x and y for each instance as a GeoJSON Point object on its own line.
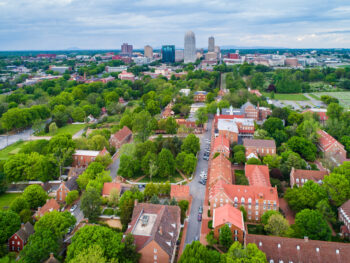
{"type": "Point", "coordinates": [199, 217]}
{"type": "Point", "coordinates": [196, 238]}
{"type": "Point", "coordinates": [72, 209]}
{"type": "Point", "coordinates": [203, 182]}
{"type": "Point", "coordinates": [200, 210]}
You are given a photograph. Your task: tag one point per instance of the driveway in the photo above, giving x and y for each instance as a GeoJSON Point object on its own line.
{"type": "Point", "coordinates": [115, 166]}
{"type": "Point", "coordinates": [197, 190]}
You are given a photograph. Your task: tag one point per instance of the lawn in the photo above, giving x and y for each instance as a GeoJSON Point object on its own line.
{"type": "Point", "coordinates": [313, 96]}
{"type": "Point", "coordinates": [343, 97]}
{"type": "Point", "coordinates": [297, 97]}
{"type": "Point", "coordinates": [70, 129]}
{"type": "Point", "coordinates": [173, 179]}
{"type": "Point", "coordinates": [11, 150]}
{"type": "Point", "coordinates": [6, 200]}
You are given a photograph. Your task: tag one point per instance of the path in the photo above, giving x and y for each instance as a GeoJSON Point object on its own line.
{"type": "Point", "coordinates": [115, 166]}
{"type": "Point", "coordinates": [79, 133]}
{"type": "Point", "coordinates": [288, 213]}
{"type": "Point", "coordinates": [197, 190]}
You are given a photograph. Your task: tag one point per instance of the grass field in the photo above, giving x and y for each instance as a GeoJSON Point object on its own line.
{"type": "Point", "coordinates": [10, 150]}
{"type": "Point", "coordinates": [6, 200]}
{"type": "Point", "coordinates": [314, 96]}
{"type": "Point", "coordinates": [343, 97]}
{"type": "Point", "coordinates": [280, 96]}
{"type": "Point", "coordinates": [70, 129]}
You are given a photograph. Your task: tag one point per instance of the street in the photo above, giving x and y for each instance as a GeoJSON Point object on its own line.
{"type": "Point", "coordinates": [115, 166]}
{"type": "Point", "coordinates": [197, 190]}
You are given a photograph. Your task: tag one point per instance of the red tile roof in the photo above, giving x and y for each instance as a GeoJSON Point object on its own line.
{"type": "Point", "coordinates": [283, 249]}
{"type": "Point", "coordinates": [107, 187]}
{"type": "Point", "coordinates": [122, 134]}
{"type": "Point", "coordinates": [50, 205]}
{"type": "Point", "coordinates": [259, 143]}
{"type": "Point", "coordinates": [220, 169]}
{"type": "Point", "coordinates": [180, 191]}
{"type": "Point", "coordinates": [309, 174]}
{"type": "Point", "coordinates": [326, 140]}
{"type": "Point", "coordinates": [257, 175]}
{"type": "Point", "coordinates": [221, 144]}
{"type": "Point", "coordinates": [228, 214]}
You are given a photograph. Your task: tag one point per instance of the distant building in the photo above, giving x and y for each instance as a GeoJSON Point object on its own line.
{"type": "Point", "coordinates": [168, 54]}
{"type": "Point", "coordinates": [211, 44]}
{"type": "Point", "coordinates": [200, 96]}
{"type": "Point", "coordinates": [231, 127]}
{"type": "Point", "coordinates": [148, 52]}
{"type": "Point", "coordinates": [180, 192]}
{"type": "Point", "coordinates": [126, 50]}
{"type": "Point", "coordinates": [190, 48]}
{"type": "Point", "coordinates": [211, 56]}
{"type": "Point", "coordinates": [65, 188]}
{"type": "Point", "coordinates": [344, 216]}
{"type": "Point", "coordinates": [322, 114]}
{"type": "Point", "coordinates": [156, 229]}
{"type": "Point", "coordinates": [116, 69]}
{"type": "Point", "coordinates": [231, 216]}
{"type": "Point", "coordinates": [60, 69]}
{"type": "Point", "coordinates": [248, 110]}
{"type": "Point", "coordinates": [185, 92]}
{"type": "Point", "coordinates": [179, 55]}
{"type": "Point", "coordinates": [51, 259]}
{"type": "Point", "coordinates": [50, 205]}
{"type": "Point", "coordinates": [46, 56]}
{"type": "Point", "coordinates": [19, 239]}
{"type": "Point", "coordinates": [291, 62]}
{"type": "Point", "coordinates": [259, 147]}
{"type": "Point", "coordinates": [127, 76]}
{"type": "Point", "coordinates": [121, 137]}
{"type": "Point", "coordinates": [299, 177]}
{"type": "Point", "coordinates": [109, 186]}
{"type": "Point", "coordinates": [141, 60]}
{"type": "Point", "coordinates": [333, 150]}
{"type": "Point", "coordinates": [220, 170]}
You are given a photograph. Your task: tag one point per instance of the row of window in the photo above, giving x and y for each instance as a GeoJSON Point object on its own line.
{"type": "Point", "coordinates": [249, 201]}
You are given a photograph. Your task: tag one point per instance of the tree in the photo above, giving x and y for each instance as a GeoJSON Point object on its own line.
{"type": "Point", "coordinates": [10, 222]}
{"type": "Point", "coordinates": [57, 222]}
{"type": "Point", "coordinates": [151, 189]}
{"type": "Point", "coordinates": [90, 204]}
{"type": "Point", "coordinates": [337, 187]}
{"type": "Point", "coordinates": [266, 216]}
{"type": "Point", "coordinates": [19, 204]}
{"type": "Point", "coordinates": [39, 247]}
{"type": "Point", "coordinates": [72, 196]}
{"type": "Point", "coordinates": [53, 128]}
{"type": "Point", "coordinates": [273, 124]}
{"type": "Point", "coordinates": [303, 146]}
{"type": "Point", "coordinates": [186, 162]}
{"type": "Point", "coordinates": [141, 125]}
{"type": "Point", "coordinates": [273, 161]}
{"type": "Point", "coordinates": [105, 160]}
{"type": "Point", "coordinates": [26, 216]}
{"type": "Point", "coordinates": [113, 198]}
{"type": "Point", "coordinates": [183, 204]}
{"type": "Point", "coordinates": [238, 254]}
{"type": "Point", "coordinates": [35, 196]}
{"type": "Point", "coordinates": [191, 144]}
{"type": "Point", "coordinates": [311, 223]}
{"type": "Point", "coordinates": [3, 183]}
{"type": "Point", "coordinates": [196, 252]}
{"type": "Point", "coordinates": [254, 161]}
{"type": "Point", "coordinates": [239, 157]}
{"type": "Point", "coordinates": [166, 163]}
{"type": "Point", "coordinates": [257, 80]}
{"type": "Point", "coordinates": [277, 225]}
{"type": "Point", "coordinates": [78, 114]}
{"type": "Point", "coordinates": [325, 209]}
{"type": "Point", "coordinates": [126, 205]}
{"type": "Point", "coordinates": [90, 255]}
{"type": "Point", "coordinates": [154, 200]}
{"type": "Point", "coordinates": [201, 116]}
{"type": "Point", "coordinates": [225, 237]}
{"type": "Point", "coordinates": [129, 166]}
{"type": "Point", "coordinates": [170, 125]}
{"type": "Point", "coordinates": [334, 111]}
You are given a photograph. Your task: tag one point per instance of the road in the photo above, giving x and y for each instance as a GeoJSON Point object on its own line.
{"type": "Point", "coordinates": [197, 190]}
{"type": "Point", "coordinates": [8, 140]}
{"type": "Point", "coordinates": [115, 166]}
{"type": "Point", "coordinates": [78, 214]}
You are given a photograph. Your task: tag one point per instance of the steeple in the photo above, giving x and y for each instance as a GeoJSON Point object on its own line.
{"type": "Point", "coordinates": [217, 112]}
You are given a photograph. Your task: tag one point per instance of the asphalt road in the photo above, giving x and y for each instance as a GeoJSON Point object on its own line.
{"type": "Point", "coordinates": [114, 167]}
{"type": "Point", "coordinates": [78, 214]}
{"type": "Point", "coordinates": [197, 190]}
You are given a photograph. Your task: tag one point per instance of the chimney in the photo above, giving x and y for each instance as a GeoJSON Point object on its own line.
{"type": "Point", "coordinates": [161, 230]}
{"type": "Point", "coordinates": [135, 202]}
{"type": "Point", "coordinates": [22, 225]}
{"type": "Point", "coordinates": [51, 255]}
{"type": "Point", "coordinates": [306, 239]}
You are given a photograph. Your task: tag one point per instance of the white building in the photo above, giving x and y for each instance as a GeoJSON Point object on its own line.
{"type": "Point", "coordinates": [190, 47]}
{"type": "Point", "coordinates": [116, 69]}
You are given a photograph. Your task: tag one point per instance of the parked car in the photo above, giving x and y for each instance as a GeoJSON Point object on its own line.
{"type": "Point", "coordinates": [200, 210]}
{"type": "Point", "coordinates": [199, 217]}
{"type": "Point", "coordinates": [196, 238]}
{"type": "Point", "coordinates": [72, 209]}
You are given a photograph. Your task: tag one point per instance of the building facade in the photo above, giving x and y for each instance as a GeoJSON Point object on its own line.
{"type": "Point", "coordinates": [168, 54]}
{"type": "Point", "coordinates": [148, 51]}
{"type": "Point", "coordinates": [211, 44]}
{"type": "Point", "coordinates": [190, 47]}
{"type": "Point", "coordinates": [121, 137]}
{"type": "Point", "coordinates": [82, 158]}
{"type": "Point", "coordinates": [333, 150]}
{"type": "Point", "coordinates": [65, 188]}
{"type": "Point", "coordinates": [126, 50]}
{"type": "Point", "coordinates": [299, 177]}
{"type": "Point", "coordinates": [19, 239]}
{"type": "Point", "coordinates": [259, 147]}
{"type": "Point", "coordinates": [200, 96]}
{"type": "Point", "coordinates": [344, 216]}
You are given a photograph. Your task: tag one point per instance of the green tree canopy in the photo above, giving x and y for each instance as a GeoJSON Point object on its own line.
{"type": "Point", "coordinates": [35, 196]}
{"type": "Point", "coordinates": [10, 222]}
{"type": "Point", "coordinates": [238, 254]}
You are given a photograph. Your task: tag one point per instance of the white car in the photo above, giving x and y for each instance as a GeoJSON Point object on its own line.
{"type": "Point", "coordinates": [73, 208]}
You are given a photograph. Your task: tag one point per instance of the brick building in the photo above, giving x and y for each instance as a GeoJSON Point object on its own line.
{"type": "Point", "coordinates": [322, 114]}
{"type": "Point", "coordinates": [220, 169]}
{"type": "Point", "coordinates": [344, 216]}
{"type": "Point", "coordinates": [248, 110]}
{"type": "Point", "coordinates": [19, 239]}
{"type": "Point", "coordinates": [200, 96]}
{"type": "Point", "coordinates": [82, 158]}
{"type": "Point", "coordinates": [49, 206]}
{"type": "Point", "coordinates": [156, 229]}
{"type": "Point", "coordinates": [126, 76]}
{"type": "Point", "coordinates": [257, 175]}
{"type": "Point", "coordinates": [284, 249]}
{"type": "Point", "coordinates": [121, 137]}
{"type": "Point", "coordinates": [299, 177]}
{"type": "Point", "coordinates": [231, 128]}
{"type": "Point", "coordinates": [180, 192]}
{"type": "Point", "coordinates": [221, 145]}
{"type": "Point", "coordinates": [66, 187]}
{"type": "Point", "coordinates": [231, 216]}
{"type": "Point", "coordinates": [109, 186]}
{"type": "Point", "coordinates": [259, 147]}
{"type": "Point", "coordinates": [333, 150]}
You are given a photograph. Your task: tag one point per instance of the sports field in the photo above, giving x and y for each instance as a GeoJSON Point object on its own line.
{"type": "Point", "coordinates": [343, 97]}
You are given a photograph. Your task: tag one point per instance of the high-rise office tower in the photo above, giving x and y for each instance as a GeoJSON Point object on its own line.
{"type": "Point", "coordinates": [211, 44]}
{"type": "Point", "coordinates": [190, 48]}
{"type": "Point", "coordinates": [148, 51]}
{"type": "Point", "coordinates": [168, 54]}
{"type": "Point", "coordinates": [126, 50]}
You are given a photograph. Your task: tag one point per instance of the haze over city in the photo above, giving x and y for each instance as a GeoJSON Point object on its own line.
{"type": "Point", "coordinates": [106, 24]}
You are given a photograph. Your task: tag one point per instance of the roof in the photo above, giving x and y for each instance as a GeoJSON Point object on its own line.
{"type": "Point", "coordinates": [86, 153]}
{"type": "Point", "coordinates": [220, 169]}
{"type": "Point", "coordinates": [286, 249]}
{"type": "Point", "coordinates": [72, 184]}
{"type": "Point", "coordinates": [122, 134]}
{"type": "Point", "coordinates": [165, 230]}
{"type": "Point", "coordinates": [346, 208]}
{"type": "Point", "coordinates": [309, 174]}
{"type": "Point", "coordinates": [25, 231]}
{"type": "Point", "coordinates": [259, 143]}
{"type": "Point", "coordinates": [326, 140]}
{"type": "Point", "coordinates": [51, 204]}
{"type": "Point", "coordinates": [107, 187]}
{"type": "Point", "coordinates": [201, 92]}
{"type": "Point", "coordinates": [221, 143]}
{"type": "Point", "coordinates": [257, 175]}
{"type": "Point", "coordinates": [51, 259]}
{"type": "Point", "coordinates": [180, 191]}
{"type": "Point", "coordinates": [247, 104]}
{"type": "Point", "coordinates": [322, 113]}
{"type": "Point", "coordinates": [228, 214]}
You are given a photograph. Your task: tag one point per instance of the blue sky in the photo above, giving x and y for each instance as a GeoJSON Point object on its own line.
{"type": "Point", "coordinates": [106, 24]}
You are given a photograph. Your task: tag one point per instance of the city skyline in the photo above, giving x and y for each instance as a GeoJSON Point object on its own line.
{"type": "Point", "coordinates": [106, 24]}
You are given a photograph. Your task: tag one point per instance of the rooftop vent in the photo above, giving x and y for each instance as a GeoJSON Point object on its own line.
{"type": "Point", "coordinates": [144, 220]}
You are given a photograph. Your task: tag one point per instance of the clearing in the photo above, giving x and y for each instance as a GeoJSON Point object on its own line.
{"type": "Point", "coordinates": [6, 200]}
{"type": "Point", "coordinates": [343, 97]}
{"type": "Point", "coordinates": [70, 129]}
{"type": "Point", "coordinates": [11, 150]}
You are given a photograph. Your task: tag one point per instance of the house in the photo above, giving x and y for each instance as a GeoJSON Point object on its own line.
{"type": "Point", "coordinates": [51, 187]}
{"type": "Point", "coordinates": [109, 186]}
{"type": "Point", "coordinates": [333, 150]}
{"type": "Point", "coordinates": [156, 229]}
{"type": "Point", "coordinates": [126, 76]}
{"type": "Point", "coordinates": [65, 188]}
{"type": "Point", "coordinates": [121, 137]}
{"type": "Point", "coordinates": [322, 114]}
{"type": "Point", "coordinates": [19, 239]}
{"type": "Point", "coordinates": [284, 249]}
{"type": "Point", "coordinates": [231, 216]}
{"type": "Point", "coordinates": [185, 92]}
{"type": "Point", "coordinates": [259, 147]}
{"type": "Point", "coordinates": [255, 91]}
{"type": "Point", "coordinates": [51, 259]}
{"type": "Point", "coordinates": [221, 145]}
{"type": "Point", "coordinates": [200, 96]}
{"type": "Point", "coordinates": [180, 192]}
{"type": "Point", "coordinates": [257, 175]}
{"type": "Point", "coordinates": [344, 216]}
{"type": "Point", "coordinates": [298, 176]}
{"type": "Point", "coordinates": [255, 199]}
{"type": "Point", "coordinates": [220, 169]}
{"type": "Point", "coordinates": [82, 158]}
{"type": "Point", "coordinates": [168, 112]}
{"type": "Point", "coordinates": [51, 205]}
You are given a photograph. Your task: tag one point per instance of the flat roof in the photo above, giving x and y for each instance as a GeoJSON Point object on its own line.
{"type": "Point", "coordinates": [142, 229]}
{"type": "Point", "coordinates": [86, 153]}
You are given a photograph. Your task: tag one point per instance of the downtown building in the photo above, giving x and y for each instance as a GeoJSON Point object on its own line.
{"type": "Point", "coordinates": [168, 53]}
{"type": "Point", "coordinates": [190, 48]}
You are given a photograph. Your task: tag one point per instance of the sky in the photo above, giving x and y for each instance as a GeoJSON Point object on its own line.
{"type": "Point", "coordinates": [106, 24]}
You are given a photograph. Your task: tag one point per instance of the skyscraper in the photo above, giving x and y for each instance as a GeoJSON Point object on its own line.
{"type": "Point", "coordinates": [126, 50]}
{"type": "Point", "coordinates": [148, 51]}
{"type": "Point", "coordinates": [190, 47]}
{"type": "Point", "coordinates": [211, 44]}
{"type": "Point", "coordinates": [168, 54]}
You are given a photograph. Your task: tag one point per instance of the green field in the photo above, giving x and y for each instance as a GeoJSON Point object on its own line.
{"type": "Point", "coordinates": [282, 96]}
{"type": "Point", "coordinates": [10, 150]}
{"type": "Point", "coordinates": [314, 96]}
{"type": "Point", "coordinates": [6, 200]}
{"type": "Point", "coordinates": [70, 129]}
{"type": "Point", "coordinates": [343, 97]}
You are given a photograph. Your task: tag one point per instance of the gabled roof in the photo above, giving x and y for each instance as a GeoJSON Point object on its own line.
{"type": "Point", "coordinates": [309, 174]}
{"type": "Point", "coordinates": [25, 231]}
{"type": "Point", "coordinates": [220, 169]}
{"type": "Point", "coordinates": [228, 214]}
{"type": "Point", "coordinates": [122, 134]}
{"type": "Point", "coordinates": [180, 191]}
{"type": "Point", "coordinates": [257, 175]}
{"type": "Point", "coordinates": [72, 184]}
{"type": "Point", "coordinates": [51, 204]}
{"type": "Point", "coordinates": [346, 208]}
{"type": "Point", "coordinates": [326, 140]}
{"type": "Point", "coordinates": [51, 259]}
{"type": "Point", "coordinates": [247, 104]}
{"type": "Point", "coordinates": [221, 142]}
{"type": "Point", "coordinates": [259, 143]}
{"type": "Point", "coordinates": [107, 187]}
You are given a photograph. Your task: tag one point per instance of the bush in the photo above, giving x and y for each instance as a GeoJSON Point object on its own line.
{"type": "Point", "coordinates": [108, 212]}
{"type": "Point", "coordinates": [210, 224]}
{"type": "Point", "coordinates": [72, 196]}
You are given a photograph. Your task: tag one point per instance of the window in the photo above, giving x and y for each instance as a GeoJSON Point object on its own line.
{"type": "Point", "coordinates": [256, 218]}
{"type": "Point", "coordinates": [249, 217]}
{"type": "Point", "coordinates": [18, 243]}
{"type": "Point", "coordinates": [297, 180]}
{"type": "Point", "coordinates": [257, 212]}
{"type": "Point", "coordinates": [229, 225]}
{"type": "Point", "coordinates": [236, 238]}
{"type": "Point", "coordinates": [155, 257]}
{"type": "Point", "coordinates": [155, 250]}
{"type": "Point", "coordinates": [236, 232]}
{"type": "Point", "coordinates": [13, 242]}
{"type": "Point", "coordinates": [15, 237]}
{"type": "Point", "coordinates": [272, 151]}
{"type": "Point", "coordinates": [242, 200]}
{"type": "Point", "coordinates": [214, 204]}
{"type": "Point", "coordinates": [249, 200]}
{"type": "Point", "coordinates": [267, 150]}
{"type": "Point", "coordinates": [221, 200]}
